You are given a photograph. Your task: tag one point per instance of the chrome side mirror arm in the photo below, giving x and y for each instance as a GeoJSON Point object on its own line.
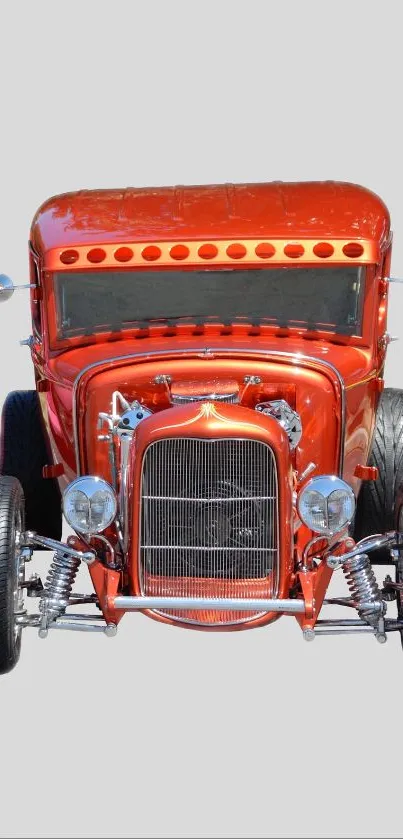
{"type": "Point", "coordinates": [7, 287]}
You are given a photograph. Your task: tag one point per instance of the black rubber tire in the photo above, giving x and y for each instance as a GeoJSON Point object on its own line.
{"type": "Point", "coordinates": [377, 500]}
{"type": "Point", "coordinates": [23, 453]}
{"type": "Point", "coordinates": [11, 507]}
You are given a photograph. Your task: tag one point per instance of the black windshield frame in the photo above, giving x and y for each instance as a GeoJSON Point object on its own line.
{"type": "Point", "coordinates": [324, 299]}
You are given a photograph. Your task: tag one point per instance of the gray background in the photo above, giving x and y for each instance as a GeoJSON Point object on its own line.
{"type": "Point", "coordinates": [163, 732]}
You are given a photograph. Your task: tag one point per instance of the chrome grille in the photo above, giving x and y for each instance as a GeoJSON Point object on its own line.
{"type": "Point", "coordinates": [209, 520]}
{"type": "Point", "coordinates": [204, 391]}
{"type": "Point", "coordinates": [184, 399]}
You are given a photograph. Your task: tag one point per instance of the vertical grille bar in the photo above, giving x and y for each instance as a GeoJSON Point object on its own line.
{"type": "Point", "coordinates": [209, 522]}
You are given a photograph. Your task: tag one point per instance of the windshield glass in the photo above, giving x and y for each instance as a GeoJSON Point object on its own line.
{"type": "Point", "coordinates": [324, 298]}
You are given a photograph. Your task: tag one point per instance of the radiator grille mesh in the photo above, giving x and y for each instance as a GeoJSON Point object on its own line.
{"type": "Point", "coordinates": [209, 522]}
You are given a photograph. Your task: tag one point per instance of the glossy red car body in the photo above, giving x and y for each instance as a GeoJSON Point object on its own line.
{"type": "Point", "coordinates": [334, 381]}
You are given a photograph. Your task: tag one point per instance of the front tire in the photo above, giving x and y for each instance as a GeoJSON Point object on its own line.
{"type": "Point", "coordinates": [11, 528]}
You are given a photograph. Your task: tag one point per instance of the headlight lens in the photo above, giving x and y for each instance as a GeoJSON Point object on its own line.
{"type": "Point", "coordinates": [89, 504]}
{"type": "Point", "coordinates": [326, 504]}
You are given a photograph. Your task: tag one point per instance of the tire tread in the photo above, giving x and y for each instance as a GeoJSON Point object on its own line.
{"type": "Point", "coordinates": [377, 499]}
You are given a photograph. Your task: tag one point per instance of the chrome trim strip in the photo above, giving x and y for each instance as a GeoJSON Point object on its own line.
{"type": "Point", "coordinates": [249, 618]}
{"type": "Point", "coordinates": [204, 548]}
{"type": "Point", "coordinates": [203, 500]}
{"type": "Point", "coordinates": [235, 604]}
{"type": "Point", "coordinates": [208, 352]}
{"type": "Point", "coordinates": [125, 446]}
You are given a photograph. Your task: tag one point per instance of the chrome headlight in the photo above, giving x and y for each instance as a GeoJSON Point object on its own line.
{"type": "Point", "coordinates": [326, 504]}
{"type": "Point", "coordinates": [89, 504]}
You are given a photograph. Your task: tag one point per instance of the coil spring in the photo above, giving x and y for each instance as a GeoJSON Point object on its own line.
{"type": "Point", "coordinates": [58, 585]}
{"type": "Point", "coordinates": [364, 588]}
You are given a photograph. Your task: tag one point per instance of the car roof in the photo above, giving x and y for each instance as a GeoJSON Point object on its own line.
{"type": "Point", "coordinates": [291, 211]}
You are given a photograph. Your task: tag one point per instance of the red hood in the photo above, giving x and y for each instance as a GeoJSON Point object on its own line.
{"type": "Point", "coordinates": [320, 373]}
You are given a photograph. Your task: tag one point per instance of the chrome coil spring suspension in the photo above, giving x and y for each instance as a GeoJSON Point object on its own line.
{"type": "Point", "coordinates": [364, 588]}
{"type": "Point", "coordinates": [58, 585]}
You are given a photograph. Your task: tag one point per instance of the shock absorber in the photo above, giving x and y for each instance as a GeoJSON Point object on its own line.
{"type": "Point", "coordinates": [364, 588]}
{"type": "Point", "coordinates": [57, 589]}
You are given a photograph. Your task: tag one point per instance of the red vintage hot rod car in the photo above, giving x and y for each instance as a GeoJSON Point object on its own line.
{"type": "Point", "coordinates": [209, 412]}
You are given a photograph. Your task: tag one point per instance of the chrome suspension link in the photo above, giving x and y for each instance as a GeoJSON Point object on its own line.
{"type": "Point", "coordinates": [369, 543]}
{"type": "Point", "coordinates": [57, 589]}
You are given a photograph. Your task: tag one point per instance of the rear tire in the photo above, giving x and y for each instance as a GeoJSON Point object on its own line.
{"type": "Point", "coordinates": [23, 454]}
{"type": "Point", "coordinates": [11, 526]}
{"type": "Point", "coordinates": [377, 500]}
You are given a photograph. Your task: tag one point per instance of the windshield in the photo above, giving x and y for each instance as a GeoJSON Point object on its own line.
{"type": "Point", "coordinates": [325, 298]}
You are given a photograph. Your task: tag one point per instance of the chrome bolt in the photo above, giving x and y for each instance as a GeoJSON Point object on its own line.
{"type": "Point", "coordinates": [381, 637]}
{"type": "Point", "coordinates": [163, 379]}
{"type": "Point", "coordinates": [43, 633]}
{"type": "Point", "coordinates": [334, 562]}
{"type": "Point", "coordinates": [309, 634]}
{"type": "Point", "coordinates": [26, 553]}
{"type": "Point", "coordinates": [111, 630]}
{"type": "Point", "coordinates": [252, 380]}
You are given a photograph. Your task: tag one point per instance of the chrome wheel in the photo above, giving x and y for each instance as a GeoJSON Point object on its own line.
{"type": "Point", "coordinates": [19, 575]}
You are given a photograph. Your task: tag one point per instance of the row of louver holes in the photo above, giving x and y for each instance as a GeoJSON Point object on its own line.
{"type": "Point", "coordinates": [237, 250]}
